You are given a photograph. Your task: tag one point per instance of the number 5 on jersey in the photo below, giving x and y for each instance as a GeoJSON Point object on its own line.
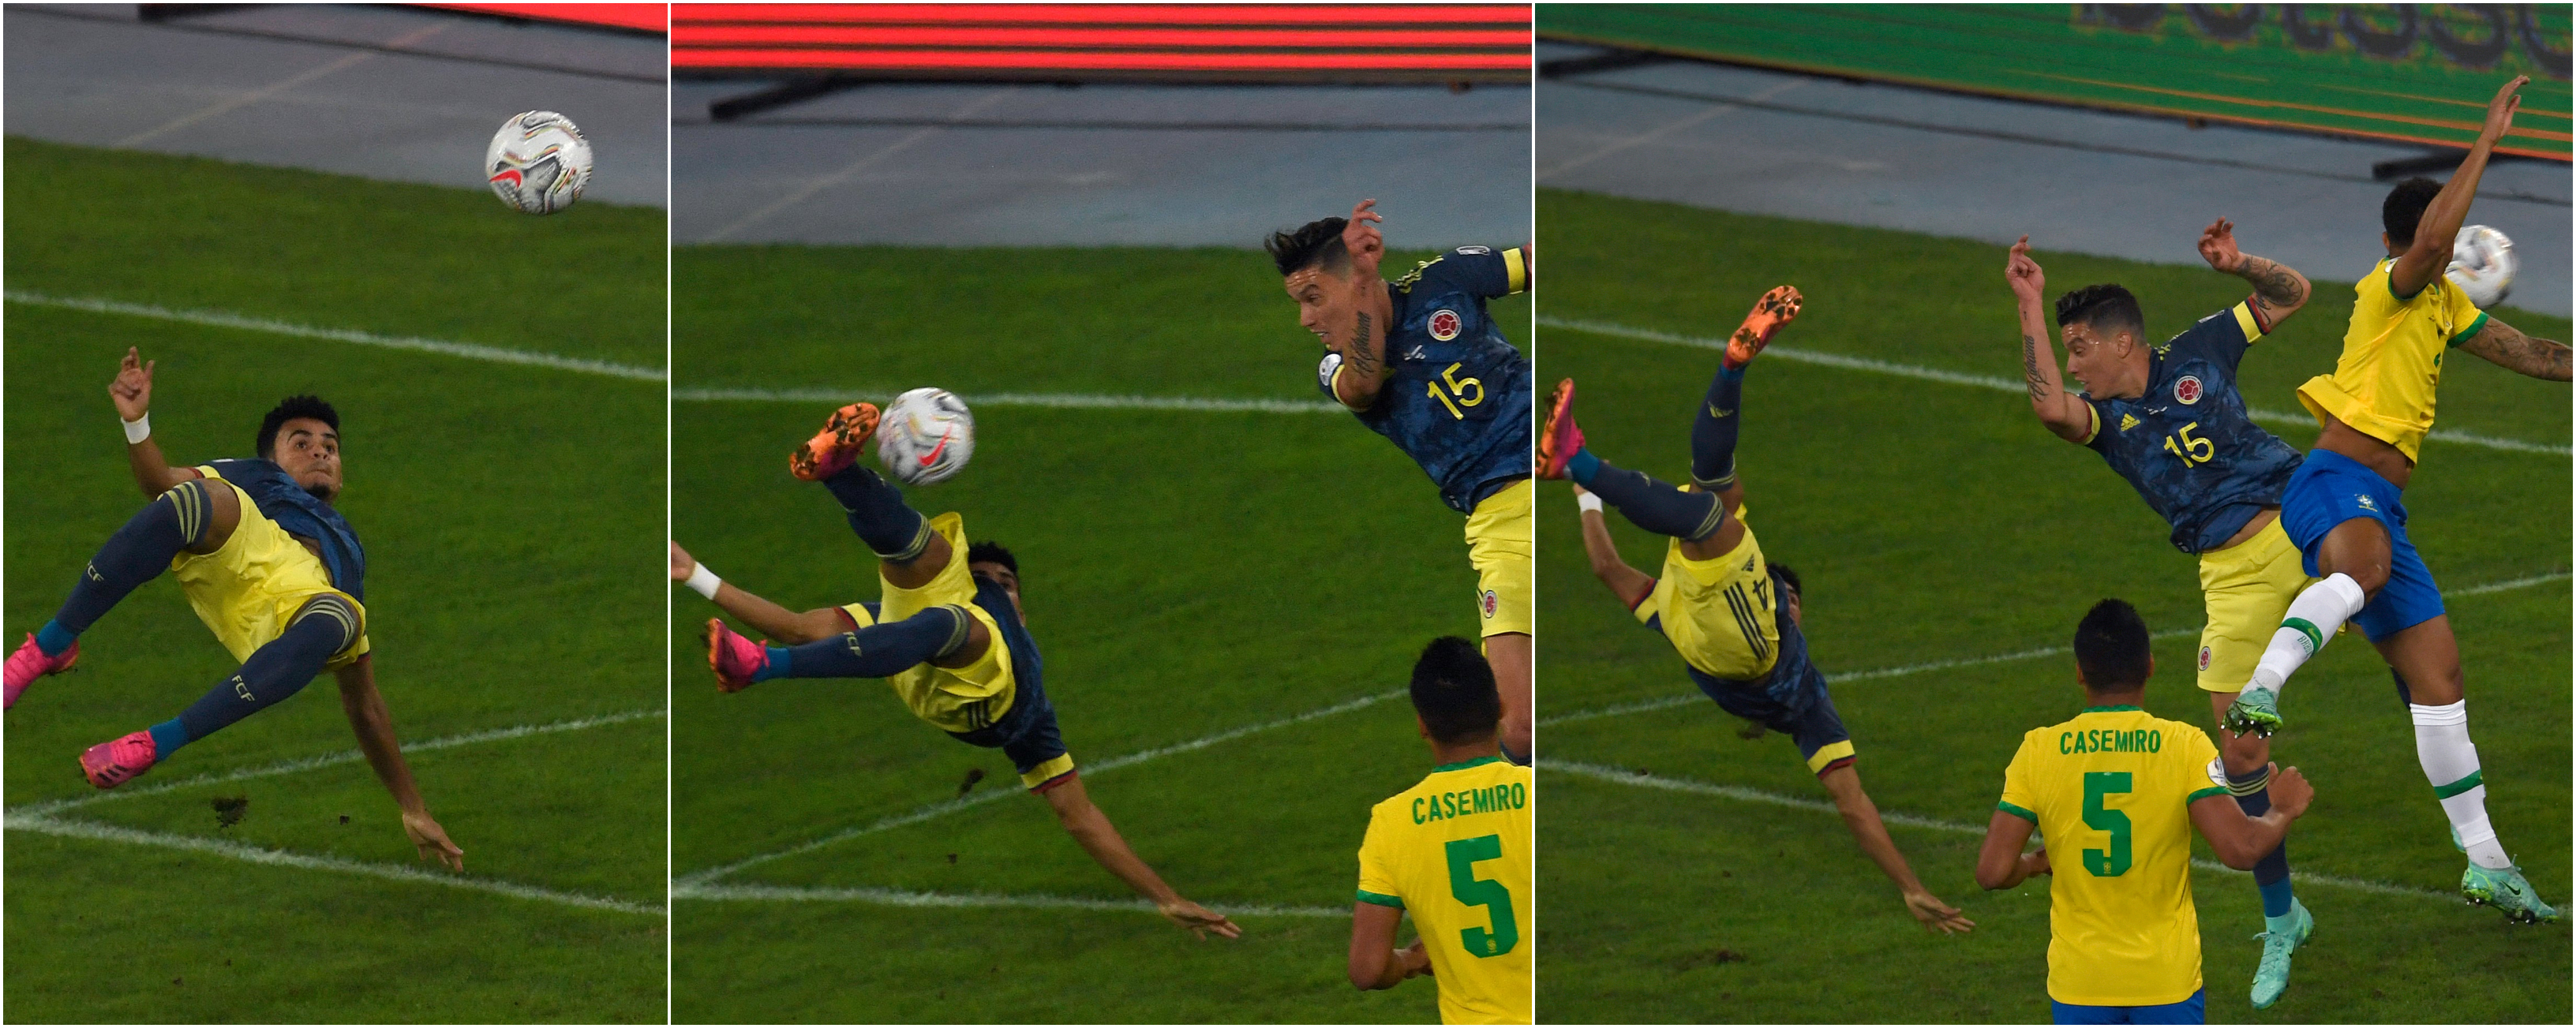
{"type": "Point", "coordinates": [1483, 892]}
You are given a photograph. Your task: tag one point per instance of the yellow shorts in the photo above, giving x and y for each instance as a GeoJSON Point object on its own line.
{"type": "Point", "coordinates": [1719, 614]}
{"type": "Point", "coordinates": [954, 699]}
{"type": "Point", "coordinates": [249, 589]}
{"type": "Point", "coordinates": [1498, 544]}
{"type": "Point", "coordinates": [2247, 589]}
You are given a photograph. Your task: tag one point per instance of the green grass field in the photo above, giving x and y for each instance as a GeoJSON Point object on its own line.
{"type": "Point", "coordinates": [1934, 523]}
{"type": "Point", "coordinates": [509, 514]}
{"type": "Point", "coordinates": [1187, 574]}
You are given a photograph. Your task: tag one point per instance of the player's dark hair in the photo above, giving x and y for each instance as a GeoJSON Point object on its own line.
{"type": "Point", "coordinates": [1789, 578]}
{"type": "Point", "coordinates": [2111, 647]}
{"type": "Point", "coordinates": [2404, 208]}
{"type": "Point", "coordinates": [2107, 307]}
{"type": "Point", "coordinates": [1453, 690]}
{"type": "Point", "coordinates": [990, 552]}
{"type": "Point", "coordinates": [1314, 243]}
{"type": "Point", "coordinates": [289, 409]}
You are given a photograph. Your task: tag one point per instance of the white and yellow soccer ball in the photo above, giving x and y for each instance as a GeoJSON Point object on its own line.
{"type": "Point", "coordinates": [2482, 265]}
{"type": "Point", "coordinates": [538, 162]}
{"type": "Point", "coordinates": [925, 436]}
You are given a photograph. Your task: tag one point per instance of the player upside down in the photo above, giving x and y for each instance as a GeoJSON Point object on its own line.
{"type": "Point", "coordinates": [948, 635]}
{"type": "Point", "coordinates": [269, 566]}
{"type": "Point", "coordinates": [1730, 613]}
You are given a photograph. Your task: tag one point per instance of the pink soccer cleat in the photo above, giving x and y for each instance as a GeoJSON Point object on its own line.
{"type": "Point", "coordinates": [733, 657]}
{"type": "Point", "coordinates": [1558, 438]}
{"type": "Point", "coordinates": [29, 663]}
{"type": "Point", "coordinates": [115, 762]}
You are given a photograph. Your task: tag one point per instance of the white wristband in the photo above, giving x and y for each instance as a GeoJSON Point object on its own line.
{"type": "Point", "coordinates": [1587, 501]}
{"type": "Point", "coordinates": [704, 582]}
{"type": "Point", "coordinates": [138, 429]}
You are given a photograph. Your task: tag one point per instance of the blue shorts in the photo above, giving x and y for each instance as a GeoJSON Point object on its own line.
{"type": "Point", "coordinates": [2186, 1012]}
{"type": "Point", "coordinates": [2330, 489]}
{"type": "Point", "coordinates": [1792, 700]}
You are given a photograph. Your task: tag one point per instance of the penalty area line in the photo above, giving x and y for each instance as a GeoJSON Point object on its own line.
{"type": "Point", "coordinates": [1874, 365]}
{"type": "Point", "coordinates": [1071, 401]}
{"type": "Point", "coordinates": [91, 830]}
{"type": "Point", "coordinates": [1601, 773]}
{"type": "Point", "coordinates": [272, 326]}
{"type": "Point", "coordinates": [907, 898]}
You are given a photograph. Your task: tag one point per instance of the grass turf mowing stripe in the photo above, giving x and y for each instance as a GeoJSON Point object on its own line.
{"type": "Point", "coordinates": [282, 858]}
{"type": "Point", "coordinates": [700, 879]}
{"type": "Point", "coordinates": [1669, 702]}
{"type": "Point", "coordinates": [905, 898]}
{"type": "Point", "coordinates": [1090, 401]}
{"type": "Point", "coordinates": [1850, 363]}
{"type": "Point", "coordinates": [222, 319]}
{"type": "Point", "coordinates": [1603, 773]}
{"type": "Point", "coordinates": [288, 767]}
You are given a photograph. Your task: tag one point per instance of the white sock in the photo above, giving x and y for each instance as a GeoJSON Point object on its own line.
{"type": "Point", "coordinates": [2451, 763]}
{"type": "Point", "coordinates": [2315, 615]}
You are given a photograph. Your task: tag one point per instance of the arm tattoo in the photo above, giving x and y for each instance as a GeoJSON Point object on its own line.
{"type": "Point", "coordinates": [2275, 285]}
{"type": "Point", "coordinates": [2509, 348]}
{"type": "Point", "coordinates": [2039, 389]}
{"type": "Point", "coordinates": [1364, 360]}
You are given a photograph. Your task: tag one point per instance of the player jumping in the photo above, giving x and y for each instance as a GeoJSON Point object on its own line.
{"type": "Point", "coordinates": [269, 566]}
{"type": "Point", "coordinates": [1455, 851]}
{"type": "Point", "coordinates": [2170, 420]}
{"type": "Point", "coordinates": [2122, 790]}
{"type": "Point", "coordinates": [1720, 602]}
{"type": "Point", "coordinates": [2342, 508]}
{"type": "Point", "coordinates": [1419, 362]}
{"type": "Point", "coordinates": [948, 636]}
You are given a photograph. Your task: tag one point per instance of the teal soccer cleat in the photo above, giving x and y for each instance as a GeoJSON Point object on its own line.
{"type": "Point", "coordinates": [2272, 975]}
{"type": "Point", "coordinates": [2505, 890]}
{"type": "Point", "coordinates": [2257, 712]}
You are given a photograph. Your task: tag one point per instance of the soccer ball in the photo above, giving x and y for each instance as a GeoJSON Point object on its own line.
{"type": "Point", "coordinates": [2482, 265]}
{"type": "Point", "coordinates": [538, 162]}
{"type": "Point", "coordinates": [925, 436]}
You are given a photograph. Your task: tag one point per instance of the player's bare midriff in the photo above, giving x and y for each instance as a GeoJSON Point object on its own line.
{"type": "Point", "coordinates": [2261, 518]}
{"type": "Point", "coordinates": [2373, 453]}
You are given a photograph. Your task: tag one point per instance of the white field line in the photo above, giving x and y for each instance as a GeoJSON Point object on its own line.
{"type": "Point", "coordinates": [48, 808]}
{"type": "Point", "coordinates": [903, 898]}
{"type": "Point", "coordinates": [222, 319]}
{"type": "Point", "coordinates": [1599, 772]}
{"type": "Point", "coordinates": [1092, 401]}
{"type": "Point", "coordinates": [698, 880]}
{"type": "Point", "coordinates": [20, 822]}
{"type": "Point", "coordinates": [1850, 363]}
{"type": "Point", "coordinates": [1687, 699]}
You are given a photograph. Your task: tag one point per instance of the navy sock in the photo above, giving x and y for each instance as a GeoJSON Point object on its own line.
{"type": "Point", "coordinates": [167, 737]}
{"type": "Point", "coordinates": [1655, 506]}
{"type": "Point", "coordinates": [891, 529]}
{"type": "Point", "coordinates": [876, 651]}
{"type": "Point", "coordinates": [136, 554]}
{"type": "Point", "coordinates": [274, 672]}
{"type": "Point", "coordinates": [1713, 430]}
{"type": "Point", "coordinates": [2272, 873]}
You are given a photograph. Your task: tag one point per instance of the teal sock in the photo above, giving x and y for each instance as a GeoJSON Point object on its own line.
{"type": "Point", "coordinates": [776, 667]}
{"type": "Point", "coordinates": [53, 639]}
{"type": "Point", "coordinates": [167, 737]}
{"type": "Point", "coordinates": [1582, 466]}
{"type": "Point", "coordinates": [2287, 920]}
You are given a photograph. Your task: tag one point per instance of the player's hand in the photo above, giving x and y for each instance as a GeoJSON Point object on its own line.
{"type": "Point", "coordinates": [2218, 246]}
{"type": "Point", "coordinates": [1199, 920]}
{"type": "Point", "coordinates": [1936, 915]}
{"type": "Point", "coordinates": [682, 565]}
{"type": "Point", "coordinates": [2500, 110]}
{"type": "Point", "coordinates": [1363, 240]}
{"type": "Point", "coordinates": [2291, 791]}
{"type": "Point", "coordinates": [2035, 863]}
{"type": "Point", "coordinates": [1415, 960]}
{"type": "Point", "coordinates": [2028, 282]}
{"type": "Point", "coordinates": [132, 389]}
{"type": "Point", "coordinates": [432, 840]}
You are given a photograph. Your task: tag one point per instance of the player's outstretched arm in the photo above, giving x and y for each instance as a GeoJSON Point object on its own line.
{"type": "Point", "coordinates": [1630, 584]}
{"type": "Point", "coordinates": [375, 729]}
{"type": "Point", "coordinates": [1098, 837]}
{"type": "Point", "coordinates": [2507, 347]}
{"type": "Point", "coordinates": [2239, 841]}
{"type": "Point", "coordinates": [780, 624]}
{"type": "Point", "coordinates": [2430, 253]}
{"type": "Point", "coordinates": [1861, 816]}
{"type": "Point", "coordinates": [1375, 962]}
{"type": "Point", "coordinates": [2063, 412]}
{"type": "Point", "coordinates": [2000, 863]}
{"type": "Point", "coordinates": [2279, 289]}
{"type": "Point", "coordinates": [131, 390]}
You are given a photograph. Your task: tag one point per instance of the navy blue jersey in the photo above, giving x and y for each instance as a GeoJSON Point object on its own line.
{"type": "Point", "coordinates": [2186, 443]}
{"type": "Point", "coordinates": [1458, 402]}
{"type": "Point", "coordinates": [1026, 666]}
{"type": "Point", "coordinates": [300, 513]}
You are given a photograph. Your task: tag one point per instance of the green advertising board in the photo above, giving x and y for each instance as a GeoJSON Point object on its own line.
{"type": "Point", "coordinates": [2419, 73]}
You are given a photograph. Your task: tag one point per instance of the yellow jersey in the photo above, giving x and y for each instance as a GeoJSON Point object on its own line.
{"type": "Point", "coordinates": [2392, 359]}
{"type": "Point", "coordinates": [2111, 793]}
{"type": "Point", "coordinates": [953, 699]}
{"type": "Point", "coordinates": [1455, 852]}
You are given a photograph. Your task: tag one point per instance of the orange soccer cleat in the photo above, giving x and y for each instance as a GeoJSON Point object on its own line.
{"type": "Point", "coordinates": [1773, 312]}
{"type": "Point", "coordinates": [837, 446]}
